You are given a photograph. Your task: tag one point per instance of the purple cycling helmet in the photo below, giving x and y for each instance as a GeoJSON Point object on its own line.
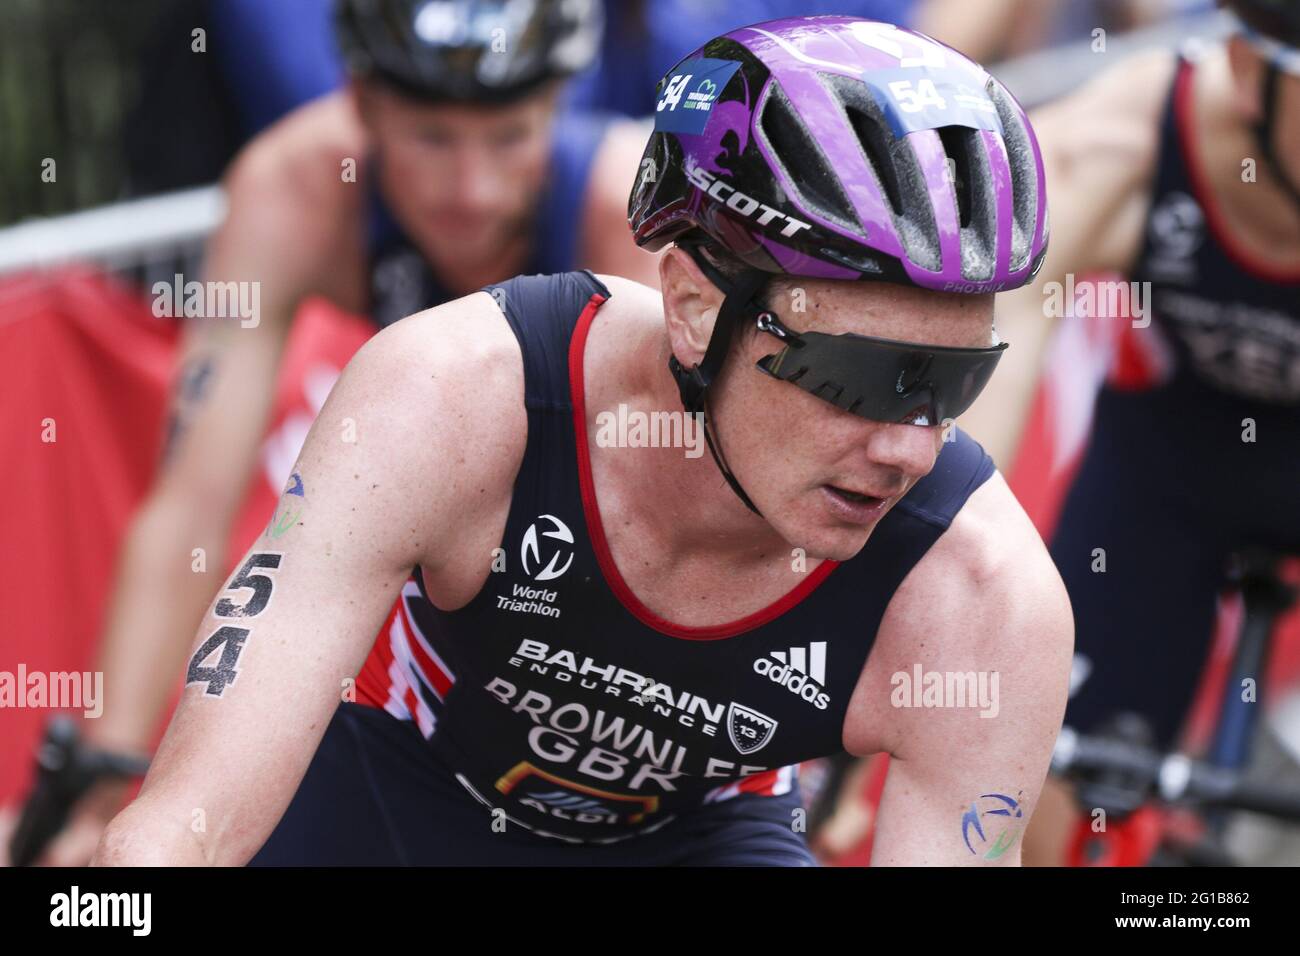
{"type": "Point", "coordinates": [840, 148]}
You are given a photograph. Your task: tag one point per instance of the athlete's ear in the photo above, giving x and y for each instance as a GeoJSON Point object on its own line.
{"type": "Point", "coordinates": [691, 304]}
{"type": "Point", "coordinates": [1247, 78]}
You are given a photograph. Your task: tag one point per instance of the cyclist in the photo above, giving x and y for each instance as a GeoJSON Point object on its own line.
{"type": "Point", "coordinates": [615, 653]}
{"type": "Point", "coordinates": [1182, 172]}
{"type": "Point", "coordinates": [465, 173]}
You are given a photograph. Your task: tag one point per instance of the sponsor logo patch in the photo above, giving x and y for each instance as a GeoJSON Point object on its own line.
{"type": "Point", "coordinates": [689, 95]}
{"type": "Point", "coordinates": [749, 730]}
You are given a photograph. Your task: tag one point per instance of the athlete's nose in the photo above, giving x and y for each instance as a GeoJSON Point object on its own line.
{"type": "Point", "coordinates": [910, 449]}
{"type": "Point", "coordinates": [475, 185]}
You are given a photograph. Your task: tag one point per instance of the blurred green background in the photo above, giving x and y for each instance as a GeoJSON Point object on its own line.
{"type": "Point", "coordinates": [77, 79]}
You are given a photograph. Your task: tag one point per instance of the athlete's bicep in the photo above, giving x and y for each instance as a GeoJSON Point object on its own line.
{"type": "Point", "coordinates": [375, 491]}
{"type": "Point", "coordinates": [975, 673]}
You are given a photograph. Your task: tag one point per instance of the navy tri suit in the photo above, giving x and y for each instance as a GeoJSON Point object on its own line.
{"type": "Point", "coordinates": [556, 720]}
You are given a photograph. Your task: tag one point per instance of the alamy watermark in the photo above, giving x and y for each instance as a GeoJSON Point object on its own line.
{"type": "Point", "coordinates": [1104, 299]}
{"type": "Point", "coordinates": [208, 300]}
{"type": "Point", "coordinates": [947, 689]}
{"type": "Point", "coordinates": [629, 428]}
{"type": "Point", "coordinates": [128, 910]}
{"type": "Point", "coordinates": [55, 690]}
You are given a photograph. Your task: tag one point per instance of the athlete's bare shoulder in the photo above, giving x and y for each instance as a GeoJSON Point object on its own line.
{"type": "Point", "coordinates": [1100, 147]}
{"type": "Point", "coordinates": [314, 155]}
{"type": "Point", "coordinates": [1135, 87]}
{"type": "Point", "coordinates": [463, 351]}
{"type": "Point", "coordinates": [448, 383]}
{"type": "Point", "coordinates": [635, 309]}
{"type": "Point", "coordinates": [1110, 123]}
{"type": "Point", "coordinates": [304, 172]}
{"type": "Point", "coordinates": [985, 597]}
{"type": "Point", "coordinates": [295, 209]}
{"type": "Point", "coordinates": [632, 302]}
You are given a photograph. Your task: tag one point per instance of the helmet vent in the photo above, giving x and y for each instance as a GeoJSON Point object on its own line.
{"type": "Point", "coordinates": [972, 184]}
{"type": "Point", "coordinates": [871, 139]}
{"type": "Point", "coordinates": [894, 165]}
{"type": "Point", "coordinates": [1024, 174]}
{"type": "Point", "coordinates": [805, 170]}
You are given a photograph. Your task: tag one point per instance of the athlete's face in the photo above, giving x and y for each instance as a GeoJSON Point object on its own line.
{"type": "Point", "coordinates": [461, 180]}
{"type": "Point", "coordinates": [795, 453]}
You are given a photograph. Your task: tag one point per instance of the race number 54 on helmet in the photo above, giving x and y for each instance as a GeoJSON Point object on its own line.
{"type": "Point", "coordinates": [842, 148]}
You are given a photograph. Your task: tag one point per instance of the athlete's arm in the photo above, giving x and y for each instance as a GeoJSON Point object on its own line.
{"type": "Point", "coordinates": [275, 237]}
{"type": "Point", "coordinates": [1099, 149]}
{"type": "Point", "coordinates": [424, 429]}
{"type": "Point", "coordinates": [985, 600]}
{"type": "Point", "coordinates": [284, 199]}
{"type": "Point", "coordinates": [607, 244]}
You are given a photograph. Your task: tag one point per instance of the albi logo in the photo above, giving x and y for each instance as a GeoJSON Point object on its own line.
{"type": "Point", "coordinates": [546, 554]}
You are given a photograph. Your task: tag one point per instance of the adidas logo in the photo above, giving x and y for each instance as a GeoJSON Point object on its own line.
{"type": "Point", "coordinates": [801, 670]}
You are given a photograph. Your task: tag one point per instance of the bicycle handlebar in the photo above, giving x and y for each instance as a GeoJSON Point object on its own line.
{"type": "Point", "coordinates": [1125, 774]}
{"type": "Point", "coordinates": [66, 770]}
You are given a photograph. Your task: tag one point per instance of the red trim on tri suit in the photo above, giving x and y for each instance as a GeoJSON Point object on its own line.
{"type": "Point", "coordinates": [596, 530]}
{"type": "Point", "coordinates": [373, 685]}
{"type": "Point", "coordinates": [1244, 258]}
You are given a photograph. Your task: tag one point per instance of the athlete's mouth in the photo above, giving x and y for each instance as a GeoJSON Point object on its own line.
{"type": "Point", "coordinates": [854, 496]}
{"type": "Point", "coordinates": [854, 507]}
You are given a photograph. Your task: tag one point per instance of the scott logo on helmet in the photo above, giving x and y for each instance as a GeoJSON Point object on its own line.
{"type": "Point", "coordinates": [741, 203]}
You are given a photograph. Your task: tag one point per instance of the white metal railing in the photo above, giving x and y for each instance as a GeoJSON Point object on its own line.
{"type": "Point", "coordinates": [122, 234]}
{"type": "Point", "coordinates": [1043, 75]}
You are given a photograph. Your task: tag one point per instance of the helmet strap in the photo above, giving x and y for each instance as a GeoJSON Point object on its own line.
{"type": "Point", "coordinates": [693, 383]}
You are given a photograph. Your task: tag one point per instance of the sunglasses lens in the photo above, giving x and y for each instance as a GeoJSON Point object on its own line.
{"type": "Point", "coordinates": [883, 380]}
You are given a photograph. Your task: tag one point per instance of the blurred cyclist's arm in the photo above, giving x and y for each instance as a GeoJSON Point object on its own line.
{"type": "Point", "coordinates": [370, 510]}
{"type": "Point", "coordinates": [1099, 149]}
{"type": "Point", "coordinates": [986, 600]}
{"type": "Point", "coordinates": [223, 401]}
{"type": "Point", "coordinates": [279, 220]}
{"type": "Point", "coordinates": [282, 213]}
{"type": "Point", "coordinates": [607, 245]}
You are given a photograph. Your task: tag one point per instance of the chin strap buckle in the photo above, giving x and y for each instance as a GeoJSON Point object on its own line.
{"type": "Point", "coordinates": [691, 384]}
{"type": "Point", "coordinates": [769, 323]}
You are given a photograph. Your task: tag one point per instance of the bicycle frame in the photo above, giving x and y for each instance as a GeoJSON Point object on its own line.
{"type": "Point", "coordinates": [1157, 830]}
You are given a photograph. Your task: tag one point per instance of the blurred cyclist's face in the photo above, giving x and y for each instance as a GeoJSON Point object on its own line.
{"type": "Point", "coordinates": [794, 453]}
{"type": "Point", "coordinates": [461, 180]}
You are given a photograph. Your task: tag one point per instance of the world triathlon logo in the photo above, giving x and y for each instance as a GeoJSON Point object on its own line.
{"type": "Point", "coordinates": [542, 558]}
{"type": "Point", "coordinates": [1177, 226]}
{"type": "Point", "coordinates": [992, 824]}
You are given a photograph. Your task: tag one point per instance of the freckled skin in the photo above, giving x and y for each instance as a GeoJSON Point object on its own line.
{"type": "Point", "coordinates": [984, 596]}
{"type": "Point", "coordinates": [823, 444]}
